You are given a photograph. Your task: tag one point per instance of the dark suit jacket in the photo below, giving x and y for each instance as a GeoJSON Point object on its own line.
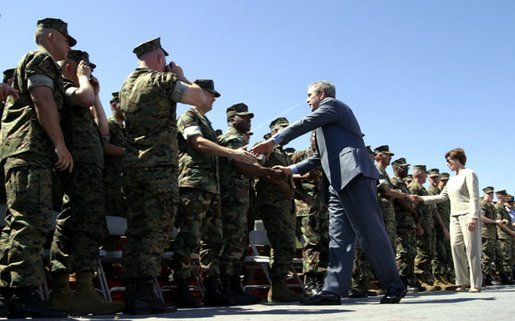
{"type": "Point", "coordinates": [341, 150]}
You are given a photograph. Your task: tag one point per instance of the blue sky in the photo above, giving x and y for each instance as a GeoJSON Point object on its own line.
{"type": "Point", "coordinates": [421, 76]}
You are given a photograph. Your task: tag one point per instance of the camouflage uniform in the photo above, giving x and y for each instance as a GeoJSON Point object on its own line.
{"type": "Point", "coordinates": [386, 206]}
{"type": "Point", "coordinates": [314, 218]}
{"type": "Point", "coordinates": [489, 237]}
{"type": "Point", "coordinates": [442, 257]}
{"type": "Point", "coordinates": [199, 215]}
{"type": "Point", "coordinates": [278, 216]}
{"type": "Point", "coordinates": [505, 240]}
{"type": "Point", "coordinates": [114, 195]}
{"type": "Point", "coordinates": [28, 157]}
{"type": "Point", "coordinates": [148, 100]}
{"type": "Point", "coordinates": [426, 244]}
{"type": "Point", "coordinates": [81, 226]}
{"type": "Point", "coordinates": [406, 235]}
{"type": "Point", "coordinates": [234, 189]}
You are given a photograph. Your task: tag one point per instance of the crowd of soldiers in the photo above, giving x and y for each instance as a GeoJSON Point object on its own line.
{"type": "Point", "coordinates": [165, 173]}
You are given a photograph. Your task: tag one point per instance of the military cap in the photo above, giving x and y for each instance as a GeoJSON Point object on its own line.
{"type": "Point", "coordinates": [59, 25]}
{"type": "Point", "coordinates": [8, 73]}
{"type": "Point", "coordinates": [267, 136]}
{"type": "Point", "coordinates": [116, 96]}
{"type": "Point", "coordinates": [444, 176]}
{"type": "Point", "coordinates": [510, 199]}
{"type": "Point", "coordinates": [408, 178]}
{"type": "Point", "coordinates": [78, 55]}
{"type": "Point", "coordinates": [239, 109]}
{"type": "Point", "coordinates": [289, 150]}
{"type": "Point", "coordinates": [420, 167]}
{"type": "Point", "coordinates": [434, 172]}
{"type": "Point", "coordinates": [400, 162]}
{"type": "Point", "coordinates": [207, 85]}
{"type": "Point", "coordinates": [279, 122]}
{"type": "Point", "coordinates": [502, 192]}
{"type": "Point", "coordinates": [488, 189]}
{"type": "Point", "coordinates": [369, 150]}
{"type": "Point", "coordinates": [148, 46]}
{"type": "Point", "coordinates": [383, 149]}
{"type": "Point", "coordinates": [218, 132]}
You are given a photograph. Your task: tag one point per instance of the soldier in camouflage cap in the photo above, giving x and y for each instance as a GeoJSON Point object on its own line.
{"type": "Point", "coordinates": [488, 234]}
{"type": "Point", "coordinates": [31, 146]}
{"type": "Point", "coordinates": [200, 219]}
{"type": "Point", "coordinates": [505, 236]}
{"type": "Point", "coordinates": [276, 208]}
{"type": "Point", "coordinates": [236, 194]}
{"type": "Point", "coordinates": [115, 145]}
{"type": "Point", "coordinates": [148, 99]}
{"type": "Point", "coordinates": [8, 76]}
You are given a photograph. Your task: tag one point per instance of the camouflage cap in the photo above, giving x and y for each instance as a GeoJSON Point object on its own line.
{"type": "Point", "coordinates": [444, 176]}
{"type": "Point", "coordinates": [383, 149]}
{"type": "Point", "coordinates": [148, 46]}
{"type": "Point", "coordinates": [502, 192]}
{"type": "Point", "coordinates": [420, 167]}
{"type": "Point", "coordinates": [207, 85]}
{"type": "Point", "coordinates": [488, 189]}
{"type": "Point", "coordinates": [59, 25]}
{"type": "Point", "coordinates": [8, 73]}
{"type": "Point", "coordinates": [239, 109]}
{"type": "Point", "coordinates": [279, 122]}
{"type": "Point", "coordinates": [78, 55]}
{"type": "Point", "coordinates": [434, 172]}
{"type": "Point", "coordinates": [115, 97]}
{"type": "Point", "coordinates": [400, 162]}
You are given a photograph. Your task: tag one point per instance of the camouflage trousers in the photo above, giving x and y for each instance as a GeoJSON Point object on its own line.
{"type": "Point", "coordinates": [406, 252]}
{"type": "Point", "coordinates": [504, 256]}
{"type": "Point", "coordinates": [390, 224]}
{"type": "Point", "coordinates": [153, 197]}
{"type": "Point", "coordinates": [115, 201]}
{"type": "Point", "coordinates": [426, 249]}
{"type": "Point", "coordinates": [29, 200]}
{"type": "Point", "coordinates": [234, 218]}
{"type": "Point", "coordinates": [279, 223]}
{"type": "Point", "coordinates": [315, 232]}
{"type": "Point", "coordinates": [442, 264]}
{"type": "Point", "coordinates": [81, 226]}
{"type": "Point", "coordinates": [200, 223]}
{"type": "Point", "coordinates": [488, 258]}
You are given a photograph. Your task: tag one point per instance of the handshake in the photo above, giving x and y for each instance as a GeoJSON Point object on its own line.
{"type": "Point", "coordinates": [279, 171]}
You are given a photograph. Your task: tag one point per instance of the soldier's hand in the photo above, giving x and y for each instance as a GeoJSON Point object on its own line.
{"type": "Point", "coordinates": [415, 199]}
{"type": "Point", "coordinates": [275, 173]}
{"type": "Point", "coordinates": [6, 90]}
{"type": "Point", "coordinates": [265, 147]}
{"type": "Point", "coordinates": [241, 155]}
{"type": "Point", "coordinates": [64, 159]}
{"type": "Point", "coordinates": [83, 69]}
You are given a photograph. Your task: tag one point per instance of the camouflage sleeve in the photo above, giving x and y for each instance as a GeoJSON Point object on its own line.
{"type": "Point", "coordinates": [41, 70]}
{"type": "Point", "coordinates": [188, 125]}
{"type": "Point", "coordinates": [235, 143]}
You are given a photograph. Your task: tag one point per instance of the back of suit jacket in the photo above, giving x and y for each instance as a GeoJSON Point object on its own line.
{"type": "Point", "coordinates": [341, 150]}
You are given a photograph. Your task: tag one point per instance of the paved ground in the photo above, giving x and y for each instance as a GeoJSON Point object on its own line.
{"type": "Point", "coordinates": [493, 303]}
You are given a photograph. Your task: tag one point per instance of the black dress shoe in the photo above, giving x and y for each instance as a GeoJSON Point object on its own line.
{"type": "Point", "coordinates": [393, 295]}
{"type": "Point", "coordinates": [322, 298]}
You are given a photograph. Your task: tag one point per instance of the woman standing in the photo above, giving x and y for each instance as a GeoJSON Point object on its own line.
{"type": "Point", "coordinates": [465, 230]}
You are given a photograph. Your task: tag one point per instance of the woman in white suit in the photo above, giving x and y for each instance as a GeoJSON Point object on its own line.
{"type": "Point", "coordinates": [465, 230]}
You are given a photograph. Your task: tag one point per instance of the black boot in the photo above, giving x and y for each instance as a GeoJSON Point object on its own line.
{"type": "Point", "coordinates": [26, 302]}
{"type": "Point", "coordinates": [141, 298]}
{"type": "Point", "coordinates": [231, 286]}
{"type": "Point", "coordinates": [183, 297]}
{"type": "Point", "coordinates": [214, 295]}
{"type": "Point", "coordinates": [4, 302]}
{"type": "Point", "coordinates": [505, 280]}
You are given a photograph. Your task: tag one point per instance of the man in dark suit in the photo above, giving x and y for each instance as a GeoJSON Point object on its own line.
{"type": "Point", "coordinates": [353, 207]}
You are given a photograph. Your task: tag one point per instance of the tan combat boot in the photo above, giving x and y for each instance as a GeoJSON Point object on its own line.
{"type": "Point", "coordinates": [86, 300]}
{"type": "Point", "coordinates": [280, 293]}
{"type": "Point", "coordinates": [61, 295]}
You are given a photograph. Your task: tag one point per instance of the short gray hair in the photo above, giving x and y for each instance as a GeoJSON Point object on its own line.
{"type": "Point", "coordinates": [326, 86]}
